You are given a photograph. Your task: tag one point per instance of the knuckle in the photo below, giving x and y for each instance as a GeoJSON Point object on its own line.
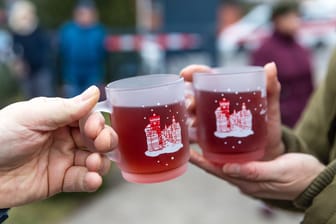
{"type": "Point", "coordinates": [39, 100]}
{"type": "Point", "coordinates": [67, 107]}
{"type": "Point", "coordinates": [278, 88]}
{"type": "Point", "coordinates": [63, 103]}
{"type": "Point", "coordinates": [252, 173]}
{"type": "Point", "coordinates": [114, 139]}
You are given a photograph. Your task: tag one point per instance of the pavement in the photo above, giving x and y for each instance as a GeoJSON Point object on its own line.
{"type": "Point", "coordinates": [194, 198]}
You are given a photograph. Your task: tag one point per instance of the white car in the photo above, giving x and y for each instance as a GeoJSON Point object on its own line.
{"type": "Point", "coordinates": [318, 23]}
{"type": "Point", "coordinates": [247, 32]}
{"type": "Point", "coordinates": [317, 28]}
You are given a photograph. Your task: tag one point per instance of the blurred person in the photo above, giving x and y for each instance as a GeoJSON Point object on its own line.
{"type": "Point", "coordinates": [8, 84]}
{"type": "Point", "coordinates": [44, 151]}
{"type": "Point", "coordinates": [6, 40]}
{"type": "Point", "coordinates": [82, 49]}
{"type": "Point", "coordinates": [294, 61]}
{"type": "Point", "coordinates": [31, 45]}
{"type": "Point", "coordinates": [229, 12]}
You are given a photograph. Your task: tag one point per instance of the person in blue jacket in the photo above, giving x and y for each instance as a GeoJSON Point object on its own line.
{"type": "Point", "coordinates": [82, 49]}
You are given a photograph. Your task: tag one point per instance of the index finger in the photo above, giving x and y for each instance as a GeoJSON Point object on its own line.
{"type": "Point", "coordinates": [187, 72]}
{"type": "Point", "coordinates": [97, 136]}
{"type": "Point", "coordinates": [257, 170]}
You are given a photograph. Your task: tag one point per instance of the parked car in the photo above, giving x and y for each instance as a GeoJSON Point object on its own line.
{"type": "Point", "coordinates": [317, 28]}
{"type": "Point", "coordinates": [318, 23]}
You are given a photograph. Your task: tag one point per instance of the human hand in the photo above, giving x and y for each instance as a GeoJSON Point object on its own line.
{"type": "Point", "coordinates": [284, 178]}
{"type": "Point", "coordinates": [274, 146]}
{"type": "Point", "coordinates": [44, 153]}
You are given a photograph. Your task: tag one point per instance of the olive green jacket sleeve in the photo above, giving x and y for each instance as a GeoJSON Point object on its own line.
{"type": "Point", "coordinates": [314, 135]}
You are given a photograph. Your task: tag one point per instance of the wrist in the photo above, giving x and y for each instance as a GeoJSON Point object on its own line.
{"type": "Point", "coordinates": [5, 202]}
{"type": "Point", "coordinates": [8, 194]}
{"type": "Point", "coordinates": [317, 185]}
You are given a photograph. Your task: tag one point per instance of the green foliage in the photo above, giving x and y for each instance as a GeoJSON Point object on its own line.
{"type": "Point", "coordinates": [56, 209]}
{"type": "Point", "coordinates": [8, 86]}
{"type": "Point", "coordinates": [48, 211]}
{"type": "Point", "coordinates": [113, 13]}
{"type": "Point", "coordinates": [117, 13]}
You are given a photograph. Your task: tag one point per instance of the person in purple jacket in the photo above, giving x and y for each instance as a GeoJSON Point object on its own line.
{"type": "Point", "coordinates": [293, 61]}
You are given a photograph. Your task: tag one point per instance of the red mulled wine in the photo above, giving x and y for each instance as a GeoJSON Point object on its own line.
{"type": "Point", "coordinates": [151, 139]}
{"type": "Point", "coordinates": [231, 125]}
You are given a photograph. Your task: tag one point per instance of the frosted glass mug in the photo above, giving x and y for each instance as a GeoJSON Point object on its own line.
{"type": "Point", "coordinates": [149, 115]}
{"type": "Point", "coordinates": [231, 113]}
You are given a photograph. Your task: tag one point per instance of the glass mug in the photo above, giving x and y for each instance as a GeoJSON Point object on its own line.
{"type": "Point", "coordinates": [149, 115]}
{"type": "Point", "coordinates": [231, 110]}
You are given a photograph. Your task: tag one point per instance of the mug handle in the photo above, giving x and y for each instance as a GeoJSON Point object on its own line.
{"type": "Point", "coordinates": [104, 106]}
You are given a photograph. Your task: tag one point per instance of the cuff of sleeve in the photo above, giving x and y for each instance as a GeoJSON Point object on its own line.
{"type": "Point", "coordinates": [3, 214]}
{"type": "Point", "coordinates": [304, 200]}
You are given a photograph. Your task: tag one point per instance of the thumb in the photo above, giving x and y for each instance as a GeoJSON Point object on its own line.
{"type": "Point", "coordinates": [187, 73]}
{"type": "Point", "coordinates": [255, 171]}
{"type": "Point", "coordinates": [51, 113]}
{"type": "Point", "coordinates": [273, 91]}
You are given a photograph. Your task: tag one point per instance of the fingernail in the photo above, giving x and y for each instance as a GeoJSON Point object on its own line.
{"type": "Point", "coordinates": [272, 63]}
{"type": "Point", "coordinates": [188, 102]}
{"type": "Point", "coordinates": [232, 169]}
{"type": "Point", "coordinates": [189, 122]}
{"type": "Point", "coordinates": [114, 140]}
{"type": "Point", "coordinates": [88, 94]}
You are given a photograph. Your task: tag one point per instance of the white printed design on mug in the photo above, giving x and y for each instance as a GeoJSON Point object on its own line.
{"type": "Point", "coordinates": [237, 124]}
{"type": "Point", "coordinates": [168, 140]}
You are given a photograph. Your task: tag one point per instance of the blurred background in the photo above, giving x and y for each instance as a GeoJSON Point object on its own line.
{"type": "Point", "coordinates": [59, 48]}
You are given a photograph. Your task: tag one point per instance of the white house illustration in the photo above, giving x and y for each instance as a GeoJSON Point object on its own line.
{"type": "Point", "coordinates": [168, 140]}
{"type": "Point", "coordinates": [237, 124]}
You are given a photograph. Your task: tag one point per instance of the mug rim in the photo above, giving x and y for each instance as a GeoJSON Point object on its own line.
{"type": "Point", "coordinates": [231, 71]}
{"type": "Point", "coordinates": [139, 88]}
